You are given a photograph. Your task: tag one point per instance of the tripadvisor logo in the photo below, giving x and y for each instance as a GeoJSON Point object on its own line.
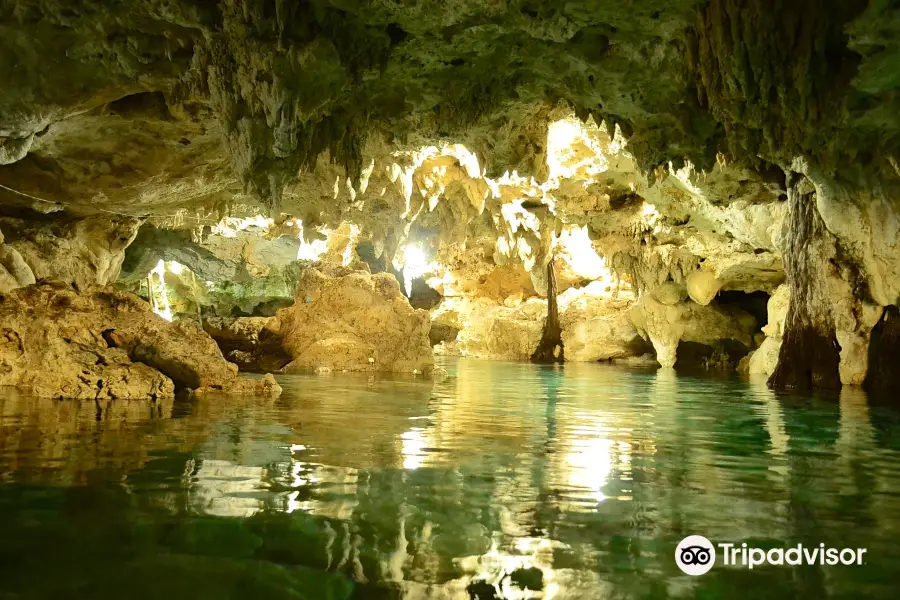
{"type": "Point", "coordinates": [696, 555]}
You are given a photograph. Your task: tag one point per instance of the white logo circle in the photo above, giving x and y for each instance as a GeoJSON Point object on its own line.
{"type": "Point", "coordinates": [695, 555]}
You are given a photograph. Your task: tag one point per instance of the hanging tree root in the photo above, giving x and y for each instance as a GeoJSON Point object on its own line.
{"type": "Point", "coordinates": [550, 349]}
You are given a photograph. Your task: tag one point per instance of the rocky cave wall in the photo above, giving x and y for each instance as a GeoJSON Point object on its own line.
{"type": "Point", "coordinates": [721, 146]}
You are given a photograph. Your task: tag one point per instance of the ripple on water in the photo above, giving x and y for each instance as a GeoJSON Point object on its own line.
{"type": "Point", "coordinates": [533, 482]}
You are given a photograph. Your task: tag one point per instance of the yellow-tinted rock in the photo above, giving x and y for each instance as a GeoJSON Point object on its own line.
{"type": "Point", "coordinates": [108, 344]}
{"type": "Point", "coordinates": [344, 318]}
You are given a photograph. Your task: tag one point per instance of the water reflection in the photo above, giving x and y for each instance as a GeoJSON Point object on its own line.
{"type": "Point", "coordinates": [532, 482]}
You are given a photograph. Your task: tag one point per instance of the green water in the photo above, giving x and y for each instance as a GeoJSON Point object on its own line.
{"type": "Point", "coordinates": [500, 480]}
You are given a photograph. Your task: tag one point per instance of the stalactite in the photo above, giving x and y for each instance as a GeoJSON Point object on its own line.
{"type": "Point", "coordinates": [550, 348]}
{"type": "Point", "coordinates": [809, 357]}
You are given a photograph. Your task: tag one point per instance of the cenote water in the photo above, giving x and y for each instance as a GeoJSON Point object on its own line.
{"type": "Point", "coordinates": [500, 480]}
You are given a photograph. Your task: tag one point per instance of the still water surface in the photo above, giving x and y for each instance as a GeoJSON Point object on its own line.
{"type": "Point", "coordinates": [500, 480]}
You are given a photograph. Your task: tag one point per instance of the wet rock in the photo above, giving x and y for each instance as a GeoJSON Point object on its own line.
{"type": "Point", "coordinates": [595, 326]}
{"type": "Point", "coordinates": [344, 319]}
{"type": "Point", "coordinates": [490, 330]}
{"type": "Point", "coordinates": [106, 344]}
{"type": "Point", "coordinates": [809, 356]}
{"type": "Point", "coordinates": [440, 333]}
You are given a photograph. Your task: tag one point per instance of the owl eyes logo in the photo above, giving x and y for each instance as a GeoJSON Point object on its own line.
{"type": "Point", "coordinates": [695, 555]}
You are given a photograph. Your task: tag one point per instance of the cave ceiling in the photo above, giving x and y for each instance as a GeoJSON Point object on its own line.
{"type": "Point", "coordinates": [148, 107]}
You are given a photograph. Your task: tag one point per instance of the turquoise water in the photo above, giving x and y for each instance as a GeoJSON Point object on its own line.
{"type": "Point", "coordinates": [500, 480]}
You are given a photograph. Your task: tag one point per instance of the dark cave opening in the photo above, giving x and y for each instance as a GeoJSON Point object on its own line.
{"type": "Point", "coordinates": [882, 380]}
{"type": "Point", "coordinates": [422, 295]}
{"type": "Point", "coordinates": [755, 303]}
{"type": "Point", "coordinates": [722, 356]}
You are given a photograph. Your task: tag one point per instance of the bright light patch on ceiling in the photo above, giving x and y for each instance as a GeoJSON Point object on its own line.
{"type": "Point", "coordinates": [685, 175]}
{"type": "Point", "coordinates": [349, 232]}
{"type": "Point", "coordinates": [414, 264]}
{"type": "Point", "coordinates": [230, 226]}
{"type": "Point", "coordinates": [175, 267]}
{"type": "Point", "coordinates": [311, 251]}
{"type": "Point", "coordinates": [649, 214]}
{"type": "Point", "coordinates": [573, 152]}
{"type": "Point", "coordinates": [579, 253]}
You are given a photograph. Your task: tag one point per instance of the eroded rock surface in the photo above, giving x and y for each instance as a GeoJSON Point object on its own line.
{"type": "Point", "coordinates": [86, 253]}
{"type": "Point", "coordinates": [764, 360]}
{"type": "Point", "coordinates": [252, 343]}
{"type": "Point", "coordinates": [595, 326]}
{"type": "Point", "coordinates": [184, 112]}
{"type": "Point", "coordinates": [344, 319]}
{"type": "Point", "coordinates": [107, 344]}
{"type": "Point", "coordinates": [666, 325]}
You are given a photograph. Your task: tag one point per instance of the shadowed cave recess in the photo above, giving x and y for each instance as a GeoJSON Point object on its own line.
{"type": "Point", "coordinates": [189, 190]}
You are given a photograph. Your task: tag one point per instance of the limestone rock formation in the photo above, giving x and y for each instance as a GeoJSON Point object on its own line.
{"type": "Point", "coordinates": [14, 271]}
{"type": "Point", "coordinates": [764, 359]}
{"type": "Point", "coordinates": [666, 325]}
{"type": "Point", "coordinates": [597, 327]}
{"type": "Point", "coordinates": [487, 329]}
{"type": "Point", "coordinates": [252, 343]}
{"type": "Point", "coordinates": [228, 271]}
{"type": "Point", "coordinates": [702, 286]}
{"type": "Point", "coordinates": [345, 319]}
{"type": "Point", "coordinates": [703, 147]}
{"type": "Point", "coordinates": [85, 252]}
{"type": "Point", "coordinates": [881, 376]}
{"type": "Point", "coordinates": [107, 344]}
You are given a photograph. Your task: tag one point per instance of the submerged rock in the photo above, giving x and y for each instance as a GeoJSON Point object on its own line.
{"type": "Point", "coordinates": [354, 321]}
{"type": "Point", "coordinates": [107, 344]}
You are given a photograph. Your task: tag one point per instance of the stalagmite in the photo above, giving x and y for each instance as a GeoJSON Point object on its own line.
{"type": "Point", "coordinates": [550, 349]}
